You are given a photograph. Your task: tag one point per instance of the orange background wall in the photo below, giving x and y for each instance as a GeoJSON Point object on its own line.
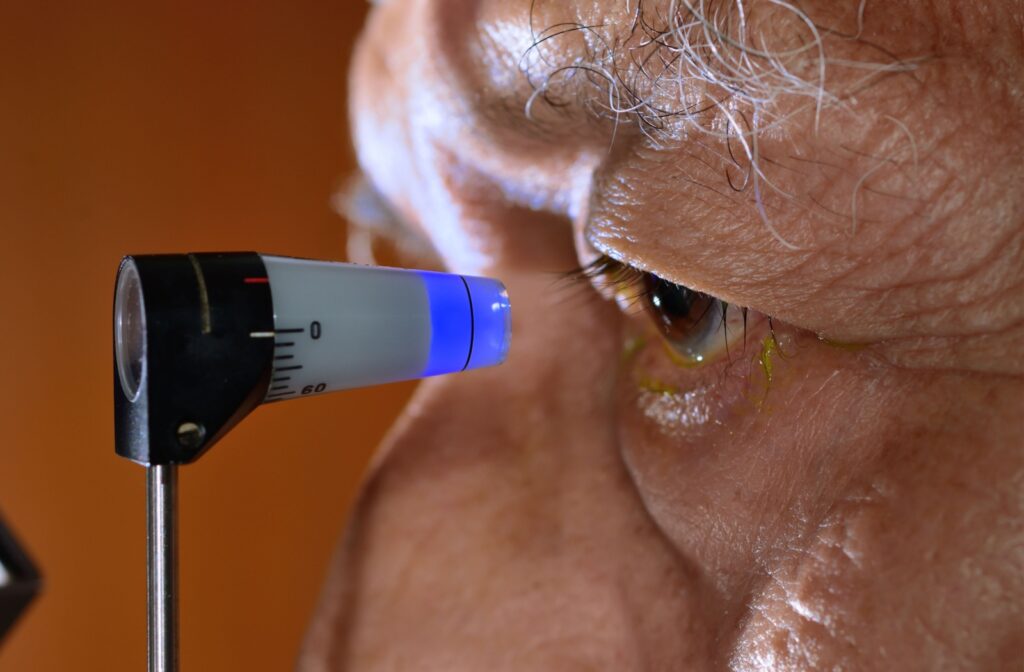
{"type": "Point", "coordinates": [133, 127]}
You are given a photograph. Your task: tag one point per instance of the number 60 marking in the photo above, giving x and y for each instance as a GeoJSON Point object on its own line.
{"type": "Point", "coordinates": [310, 389]}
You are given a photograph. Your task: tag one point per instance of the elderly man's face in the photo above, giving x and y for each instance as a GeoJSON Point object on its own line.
{"type": "Point", "coordinates": [776, 421]}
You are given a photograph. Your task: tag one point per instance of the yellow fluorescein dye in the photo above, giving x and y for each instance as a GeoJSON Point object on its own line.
{"type": "Point", "coordinates": [769, 348]}
{"type": "Point", "coordinates": [850, 347]}
{"type": "Point", "coordinates": [656, 386]}
{"type": "Point", "coordinates": [632, 348]}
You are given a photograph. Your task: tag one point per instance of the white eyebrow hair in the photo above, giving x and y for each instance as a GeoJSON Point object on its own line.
{"type": "Point", "coordinates": [675, 63]}
{"type": "Point", "coordinates": [706, 67]}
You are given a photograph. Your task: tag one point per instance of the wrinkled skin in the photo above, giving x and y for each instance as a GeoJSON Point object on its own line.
{"type": "Point", "coordinates": [847, 496]}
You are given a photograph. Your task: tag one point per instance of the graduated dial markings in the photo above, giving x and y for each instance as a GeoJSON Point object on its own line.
{"type": "Point", "coordinates": [281, 387]}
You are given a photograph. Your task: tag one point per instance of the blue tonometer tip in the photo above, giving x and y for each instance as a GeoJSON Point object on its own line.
{"type": "Point", "coordinates": [471, 322]}
{"type": "Point", "coordinates": [492, 322]}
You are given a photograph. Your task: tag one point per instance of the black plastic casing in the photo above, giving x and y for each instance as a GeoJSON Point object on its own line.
{"type": "Point", "coordinates": [203, 364]}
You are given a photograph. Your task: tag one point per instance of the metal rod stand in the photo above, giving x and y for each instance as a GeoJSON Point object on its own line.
{"type": "Point", "coordinates": [162, 563]}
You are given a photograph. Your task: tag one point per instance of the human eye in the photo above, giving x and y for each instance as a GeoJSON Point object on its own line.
{"type": "Point", "coordinates": [696, 328]}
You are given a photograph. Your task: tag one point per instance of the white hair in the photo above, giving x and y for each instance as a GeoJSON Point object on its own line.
{"type": "Point", "coordinates": [730, 69]}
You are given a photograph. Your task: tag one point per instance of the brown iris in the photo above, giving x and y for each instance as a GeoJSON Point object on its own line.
{"type": "Point", "coordinates": [689, 320]}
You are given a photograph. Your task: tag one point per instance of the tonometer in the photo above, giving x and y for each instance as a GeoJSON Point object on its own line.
{"type": "Point", "coordinates": [201, 340]}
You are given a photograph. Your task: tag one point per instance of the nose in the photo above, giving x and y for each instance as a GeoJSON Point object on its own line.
{"type": "Point", "coordinates": [498, 528]}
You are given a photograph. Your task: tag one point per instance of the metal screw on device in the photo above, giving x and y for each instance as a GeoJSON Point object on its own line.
{"type": "Point", "coordinates": [191, 435]}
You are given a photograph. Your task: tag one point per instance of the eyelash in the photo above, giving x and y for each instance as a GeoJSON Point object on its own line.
{"type": "Point", "coordinates": [631, 286]}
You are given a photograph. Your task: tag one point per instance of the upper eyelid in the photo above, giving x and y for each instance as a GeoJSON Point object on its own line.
{"type": "Point", "coordinates": [609, 265]}
{"type": "Point", "coordinates": [605, 250]}
{"type": "Point", "coordinates": [602, 267]}
{"type": "Point", "coordinates": [619, 274]}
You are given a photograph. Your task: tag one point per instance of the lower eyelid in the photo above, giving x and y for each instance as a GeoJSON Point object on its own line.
{"type": "Point", "coordinates": [733, 337]}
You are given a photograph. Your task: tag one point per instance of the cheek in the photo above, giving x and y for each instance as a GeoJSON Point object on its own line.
{"type": "Point", "coordinates": [498, 529]}
{"type": "Point", "coordinates": [736, 460]}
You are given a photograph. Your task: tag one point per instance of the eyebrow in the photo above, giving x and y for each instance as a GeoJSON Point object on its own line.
{"type": "Point", "coordinates": [694, 61]}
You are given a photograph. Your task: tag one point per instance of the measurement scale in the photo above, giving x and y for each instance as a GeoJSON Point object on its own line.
{"type": "Point", "coordinates": [201, 340]}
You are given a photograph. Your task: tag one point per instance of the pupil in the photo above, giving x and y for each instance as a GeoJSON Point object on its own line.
{"type": "Point", "coordinates": [673, 299]}
{"type": "Point", "coordinates": [689, 320]}
{"type": "Point", "coordinates": [674, 305]}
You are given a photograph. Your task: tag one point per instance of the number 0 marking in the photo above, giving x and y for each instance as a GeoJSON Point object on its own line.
{"type": "Point", "coordinates": [315, 330]}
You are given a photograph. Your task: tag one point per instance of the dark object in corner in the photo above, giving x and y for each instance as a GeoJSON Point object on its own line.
{"type": "Point", "coordinates": [19, 580]}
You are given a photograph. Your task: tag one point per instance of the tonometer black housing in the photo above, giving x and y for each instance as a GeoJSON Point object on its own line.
{"type": "Point", "coordinates": [186, 367]}
{"type": "Point", "coordinates": [200, 340]}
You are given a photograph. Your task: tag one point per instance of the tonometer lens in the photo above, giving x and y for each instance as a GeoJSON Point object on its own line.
{"type": "Point", "coordinates": [130, 330]}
